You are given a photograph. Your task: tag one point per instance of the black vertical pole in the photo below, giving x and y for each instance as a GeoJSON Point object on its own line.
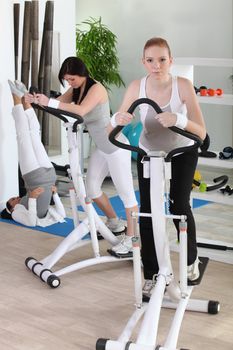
{"type": "Point", "coordinates": [35, 42]}
{"type": "Point", "coordinates": [16, 37]}
{"type": "Point", "coordinates": [47, 66]}
{"type": "Point", "coordinates": [26, 46]}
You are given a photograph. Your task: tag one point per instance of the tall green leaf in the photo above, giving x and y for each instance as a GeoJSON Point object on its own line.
{"type": "Point", "coordinates": [96, 46]}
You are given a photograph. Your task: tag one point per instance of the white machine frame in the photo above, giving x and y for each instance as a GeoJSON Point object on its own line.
{"type": "Point", "coordinates": [90, 224]}
{"type": "Point", "coordinates": [167, 292]}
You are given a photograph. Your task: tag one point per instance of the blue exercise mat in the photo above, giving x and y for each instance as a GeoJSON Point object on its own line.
{"type": "Point", "coordinates": [120, 211]}
{"type": "Point", "coordinates": [64, 228]}
{"type": "Point", "coordinates": [59, 229]}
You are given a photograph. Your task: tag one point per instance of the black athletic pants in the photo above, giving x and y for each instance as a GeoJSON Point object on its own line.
{"type": "Point", "coordinates": [183, 168]}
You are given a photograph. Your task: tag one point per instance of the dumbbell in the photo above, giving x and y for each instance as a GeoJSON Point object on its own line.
{"type": "Point", "coordinates": [204, 91]}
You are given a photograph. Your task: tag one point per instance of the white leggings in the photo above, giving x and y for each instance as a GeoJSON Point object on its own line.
{"type": "Point", "coordinates": [31, 152]}
{"type": "Point", "coordinates": [118, 164]}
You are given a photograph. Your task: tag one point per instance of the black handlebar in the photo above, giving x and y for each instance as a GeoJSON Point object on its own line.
{"type": "Point", "coordinates": [61, 114]}
{"type": "Point", "coordinates": [116, 130]}
{"type": "Point", "coordinates": [219, 181]}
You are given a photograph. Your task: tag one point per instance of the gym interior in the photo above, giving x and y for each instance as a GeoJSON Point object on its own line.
{"type": "Point", "coordinates": [92, 305]}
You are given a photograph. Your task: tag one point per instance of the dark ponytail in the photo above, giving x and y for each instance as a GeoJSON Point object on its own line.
{"type": "Point", "coordinates": [6, 215]}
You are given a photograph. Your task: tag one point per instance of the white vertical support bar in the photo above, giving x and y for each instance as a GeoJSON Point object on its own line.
{"type": "Point", "coordinates": [157, 187]}
{"type": "Point", "coordinates": [183, 257]}
{"type": "Point", "coordinates": [92, 227]}
{"type": "Point", "coordinates": [73, 201]}
{"type": "Point", "coordinates": [149, 327]}
{"type": "Point", "coordinates": [74, 160]}
{"type": "Point", "coordinates": [137, 265]}
{"type": "Point", "coordinates": [81, 149]}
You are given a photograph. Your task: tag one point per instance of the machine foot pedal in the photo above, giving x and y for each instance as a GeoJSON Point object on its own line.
{"type": "Point", "coordinates": [120, 256]}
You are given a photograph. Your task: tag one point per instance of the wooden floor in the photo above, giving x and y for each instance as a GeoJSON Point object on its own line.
{"type": "Point", "coordinates": [92, 303]}
{"type": "Point", "coordinates": [97, 302]}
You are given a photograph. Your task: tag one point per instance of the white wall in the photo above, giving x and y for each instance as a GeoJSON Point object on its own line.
{"type": "Point", "coordinates": [8, 152]}
{"type": "Point", "coordinates": [64, 24]}
{"type": "Point", "coordinates": [193, 28]}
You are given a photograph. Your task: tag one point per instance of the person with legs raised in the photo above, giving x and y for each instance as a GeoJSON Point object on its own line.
{"type": "Point", "coordinates": [37, 170]}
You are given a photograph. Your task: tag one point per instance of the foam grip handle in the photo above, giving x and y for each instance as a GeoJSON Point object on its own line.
{"type": "Point", "coordinates": [220, 181]}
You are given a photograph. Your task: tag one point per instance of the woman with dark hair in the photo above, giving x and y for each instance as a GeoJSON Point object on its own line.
{"type": "Point", "coordinates": [89, 98]}
{"type": "Point", "coordinates": [37, 171]}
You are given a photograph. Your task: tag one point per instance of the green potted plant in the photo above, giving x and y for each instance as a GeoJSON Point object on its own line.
{"type": "Point", "coordinates": [96, 46]}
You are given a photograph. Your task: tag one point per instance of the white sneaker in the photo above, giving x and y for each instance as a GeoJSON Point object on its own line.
{"type": "Point", "coordinates": [21, 87]}
{"type": "Point", "coordinates": [193, 272]}
{"type": "Point", "coordinates": [148, 287]}
{"type": "Point", "coordinates": [14, 89]}
{"type": "Point", "coordinates": [115, 225]}
{"type": "Point", "coordinates": [124, 247]}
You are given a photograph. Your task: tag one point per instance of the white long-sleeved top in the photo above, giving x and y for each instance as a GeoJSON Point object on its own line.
{"type": "Point", "coordinates": [28, 217]}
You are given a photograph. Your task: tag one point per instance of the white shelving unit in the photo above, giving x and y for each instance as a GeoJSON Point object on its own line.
{"type": "Point", "coordinates": [216, 162]}
{"type": "Point", "coordinates": [184, 66]}
{"type": "Point", "coordinates": [226, 99]}
{"type": "Point", "coordinates": [202, 61]}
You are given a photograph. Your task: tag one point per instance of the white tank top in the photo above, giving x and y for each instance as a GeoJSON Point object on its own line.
{"type": "Point", "coordinates": [154, 136]}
